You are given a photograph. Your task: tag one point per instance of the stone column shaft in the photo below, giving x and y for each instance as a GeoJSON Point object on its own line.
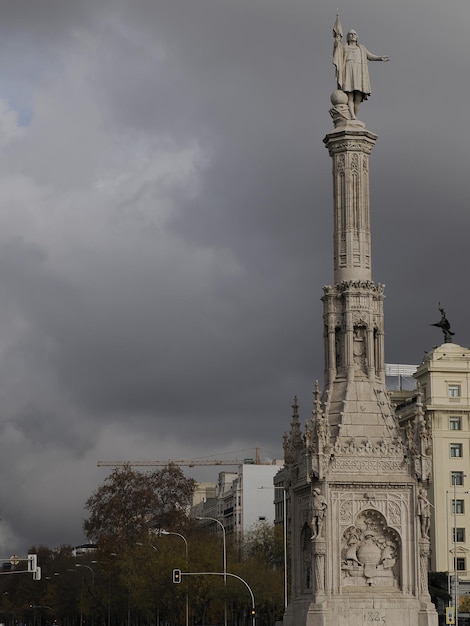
{"type": "Point", "coordinates": [350, 151]}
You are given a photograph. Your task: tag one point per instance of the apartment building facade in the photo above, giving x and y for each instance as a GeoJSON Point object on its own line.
{"type": "Point", "coordinates": [443, 391]}
{"type": "Point", "coordinates": [243, 498]}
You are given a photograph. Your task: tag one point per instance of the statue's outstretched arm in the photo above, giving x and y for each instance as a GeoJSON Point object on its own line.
{"type": "Point", "coordinates": [374, 57]}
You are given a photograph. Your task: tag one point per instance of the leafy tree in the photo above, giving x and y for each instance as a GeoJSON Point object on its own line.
{"type": "Point", "coordinates": [207, 593]}
{"type": "Point", "coordinates": [132, 583]}
{"type": "Point", "coordinates": [123, 507]}
{"type": "Point", "coordinates": [267, 543]}
{"type": "Point", "coordinates": [262, 566]}
{"type": "Point", "coordinates": [53, 597]}
{"type": "Point", "coordinates": [464, 604]}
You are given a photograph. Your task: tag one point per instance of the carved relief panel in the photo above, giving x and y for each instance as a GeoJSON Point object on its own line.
{"type": "Point", "coordinates": [370, 552]}
{"type": "Point", "coordinates": [371, 533]}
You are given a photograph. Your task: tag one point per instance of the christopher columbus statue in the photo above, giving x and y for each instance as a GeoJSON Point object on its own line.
{"type": "Point", "coordinates": [352, 73]}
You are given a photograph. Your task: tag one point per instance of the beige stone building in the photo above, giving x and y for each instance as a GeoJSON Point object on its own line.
{"type": "Point", "coordinates": [443, 390]}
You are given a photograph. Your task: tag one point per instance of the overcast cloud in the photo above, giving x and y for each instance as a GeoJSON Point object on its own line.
{"type": "Point", "coordinates": [166, 225]}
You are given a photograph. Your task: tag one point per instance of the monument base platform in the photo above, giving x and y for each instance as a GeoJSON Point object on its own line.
{"type": "Point", "coordinates": [355, 611]}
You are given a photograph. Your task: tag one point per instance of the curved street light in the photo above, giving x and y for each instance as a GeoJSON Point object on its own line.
{"type": "Point", "coordinates": [162, 531]}
{"type": "Point", "coordinates": [214, 519]}
{"type": "Point", "coordinates": [92, 586]}
{"type": "Point", "coordinates": [92, 573]}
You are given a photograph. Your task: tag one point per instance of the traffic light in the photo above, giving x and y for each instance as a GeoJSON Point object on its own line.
{"type": "Point", "coordinates": [253, 612]}
{"type": "Point", "coordinates": [32, 562]}
{"type": "Point", "coordinates": [176, 575]}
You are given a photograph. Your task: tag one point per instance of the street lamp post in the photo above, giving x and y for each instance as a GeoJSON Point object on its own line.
{"type": "Point", "coordinates": [161, 531]}
{"type": "Point", "coordinates": [456, 580]}
{"type": "Point", "coordinates": [92, 573]}
{"type": "Point", "coordinates": [109, 589]}
{"type": "Point", "coordinates": [214, 519]}
{"type": "Point", "coordinates": [447, 546]}
{"type": "Point", "coordinates": [92, 586]}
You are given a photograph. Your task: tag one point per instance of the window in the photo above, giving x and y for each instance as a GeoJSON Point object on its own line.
{"type": "Point", "coordinates": [456, 449]}
{"type": "Point", "coordinates": [456, 478]}
{"type": "Point", "coordinates": [453, 391]}
{"type": "Point", "coordinates": [458, 535]}
{"type": "Point", "coordinates": [455, 423]}
{"type": "Point", "coordinates": [461, 564]}
{"type": "Point", "coordinates": [458, 507]}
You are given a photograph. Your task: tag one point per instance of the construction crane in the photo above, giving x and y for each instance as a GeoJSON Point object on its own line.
{"type": "Point", "coordinates": [184, 462]}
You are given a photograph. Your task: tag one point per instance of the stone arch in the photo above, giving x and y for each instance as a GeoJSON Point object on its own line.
{"type": "Point", "coordinates": [339, 348]}
{"type": "Point", "coordinates": [360, 352]}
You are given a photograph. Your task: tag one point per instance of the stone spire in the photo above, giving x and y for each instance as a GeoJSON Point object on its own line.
{"type": "Point", "coordinates": [294, 441]}
{"type": "Point", "coordinates": [358, 405]}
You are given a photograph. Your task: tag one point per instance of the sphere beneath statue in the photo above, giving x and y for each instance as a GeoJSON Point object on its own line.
{"type": "Point", "coordinates": [338, 97]}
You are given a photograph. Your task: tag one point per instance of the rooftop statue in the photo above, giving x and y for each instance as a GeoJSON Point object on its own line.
{"type": "Point", "coordinates": [352, 72]}
{"type": "Point", "coordinates": [444, 325]}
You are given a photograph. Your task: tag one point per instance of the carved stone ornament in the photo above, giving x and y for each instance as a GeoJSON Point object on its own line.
{"type": "Point", "coordinates": [362, 144]}
{"type": "Point", "coordinates": [366, 448]}
{"type": "Point", "coordinates": [347, 285]}
{"type": "Point", "coordinates": [370, 552]}
{"type": "Point", "coordinates": [368, 466]}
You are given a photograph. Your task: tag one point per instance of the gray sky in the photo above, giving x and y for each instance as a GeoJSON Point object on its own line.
{"type": "Point", "coordinates": [166, 225]}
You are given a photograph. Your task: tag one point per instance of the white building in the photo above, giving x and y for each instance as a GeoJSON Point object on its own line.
{"type": "Point", "coordinates": [243, 498]}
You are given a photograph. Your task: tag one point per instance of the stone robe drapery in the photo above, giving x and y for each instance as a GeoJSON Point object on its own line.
{"type": "Point", "coordinates": [352, 72]}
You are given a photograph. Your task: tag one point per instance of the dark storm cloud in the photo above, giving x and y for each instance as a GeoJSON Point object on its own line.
{"type": "Point", "coordinates": [166, 217]}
